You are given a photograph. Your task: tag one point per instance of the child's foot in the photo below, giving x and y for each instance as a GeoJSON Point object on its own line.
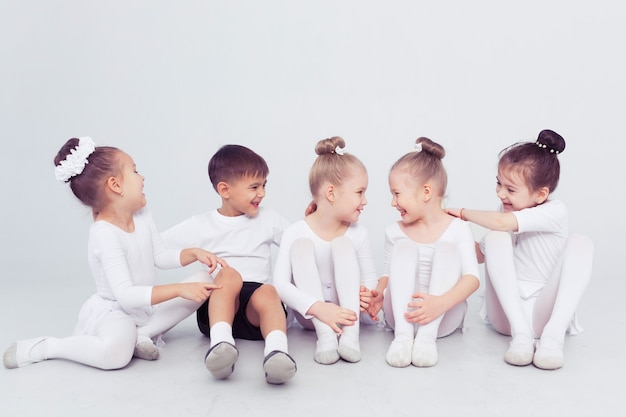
{"type": "Point", "coordinates": [424, 353]}
{"type": "Point", "coordinates": [349, 349]}
{"type": "Point", "coordinates": [146, 349]}
{"type": "Point", "coordinates": [326, 349]}
{"type": "Point", "coordinates": [549, 356]}
{"type": "Point", "coordinates": [24, 352]}
{"type": "Point", "coordinates": [521, 351]}
{"type": "Point", "coordinates": [399, 353]}
{"type": "Point", "coordinates": [220, 360]}
{"type": "Point", "coordinates": [279, 367]}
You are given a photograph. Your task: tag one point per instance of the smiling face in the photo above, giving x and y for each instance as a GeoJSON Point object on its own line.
{"type": "Point", "coordinates": [348, 199]}
{"type": "Point", "coordinates": [406, 196]}
{"type": "Point", "coordinates": [131, 183]}
{"type": "Point", "coordinates": [515, 194]}
{"type": "Point", "coordinates": [242, 196]}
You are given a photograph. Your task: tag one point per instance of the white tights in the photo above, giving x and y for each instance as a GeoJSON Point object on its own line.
{"type": "Point", "coordinates": [113, 342]}
{"type": "Point", "coordinates": [403, 283]}
{"type": "Point", "coordinates": [347, 282]}
{"type": "Point", "coordinates": [556, 304]}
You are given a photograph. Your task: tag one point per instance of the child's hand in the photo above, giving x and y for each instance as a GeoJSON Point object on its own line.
{"type": "Point", "coordinates": [333, 315]}
{"type": "Point", "coordinates": [209, 259]}
{"type": "Point", "coordinates": [371, 302]}
{"type": "Point", "coordinates": [197, 291]}
{"type": "Point", "coordinates": [424, 308]}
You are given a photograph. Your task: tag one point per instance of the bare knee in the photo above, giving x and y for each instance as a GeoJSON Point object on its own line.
{"type": "Point", "coordinates": [265, 296]}
{"type": "Point", "coordinates": [229, 279]}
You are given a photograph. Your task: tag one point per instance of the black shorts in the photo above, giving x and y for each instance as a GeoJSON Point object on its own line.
{"type": "Point", "coordinates": [242, 328]}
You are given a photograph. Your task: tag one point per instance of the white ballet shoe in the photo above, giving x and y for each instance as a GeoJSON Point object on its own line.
{"type": "Point", "coordinates": [279, 367]}
{"type": "Point", "coordinates": [24, 352]}
{"type": "Point", "coordinates": [326, 357]}
{"type": "Point", "coordinates": [326, 348]}
{"type": "Point", "coordinates": [548, 357]}
{"type": "Point", "coordinates": [145, 349]}
{"type": "Point", "coordinates": [220, 360]}
{"type": "Point", "coordinates": [521, 351]}
{"type": "Point", "coordinates": [399, 353]}
{"type": "Point", "coordinates": [349, 348]}
{"type": "Point", "coordinates": [424, 353]}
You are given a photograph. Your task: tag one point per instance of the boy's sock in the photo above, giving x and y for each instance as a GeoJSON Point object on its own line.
{"type": "Point", "coordinates": [221, 332]}
{"type": "Point", "coordinates": [275, 340]}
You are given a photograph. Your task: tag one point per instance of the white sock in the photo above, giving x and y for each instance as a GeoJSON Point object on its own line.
{"type": "Point", "coordinates": [275, 340]}
{"type": "Point", "coordinates": [221, 332]}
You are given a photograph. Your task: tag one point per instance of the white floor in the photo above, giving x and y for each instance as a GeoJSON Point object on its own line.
{"type": "Point", "coordinates": [470, 379]}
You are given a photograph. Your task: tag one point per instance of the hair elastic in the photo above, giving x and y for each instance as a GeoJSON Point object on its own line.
{"type": "Point", "coordinates": [75, 162]}
{"type": "Point", "coordinates": [339, 151]}
{"type": "Point", "coordinates": [418, 147]}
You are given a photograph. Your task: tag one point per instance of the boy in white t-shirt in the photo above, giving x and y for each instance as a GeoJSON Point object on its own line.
{"type": "Point", "coordinates": [241, 233]}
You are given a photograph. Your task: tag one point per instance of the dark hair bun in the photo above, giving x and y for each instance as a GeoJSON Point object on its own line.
{"type": "Point", "coordinates": [552, 141]}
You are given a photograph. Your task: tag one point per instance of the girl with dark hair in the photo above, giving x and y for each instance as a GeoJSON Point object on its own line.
{"type": "Point", "coordinates": [128, 313]}
{"type": "Point", "coordinates": [536, 273]}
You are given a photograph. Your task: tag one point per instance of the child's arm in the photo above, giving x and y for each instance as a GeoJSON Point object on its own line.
{"type": "Point", "coordinates": [190, 255]}
{"type": "Point", "coordinates": [194, 291]}
{"type": "Point", "coordinates": [492, 220]}
{"type": "Point", "coordinates": [428, 307]}
{"type": "Point", "coordinates": [333, 315]}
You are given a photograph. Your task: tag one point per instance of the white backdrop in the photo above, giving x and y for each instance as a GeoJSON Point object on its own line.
{"type": "Point", "coordinates": [170, 82]}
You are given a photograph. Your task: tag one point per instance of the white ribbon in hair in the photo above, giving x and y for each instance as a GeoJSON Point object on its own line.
{"type": "Point", "coordinates": [74, 163]}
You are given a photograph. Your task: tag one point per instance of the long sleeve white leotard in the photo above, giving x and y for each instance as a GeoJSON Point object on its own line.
{"type": "Point", "coordinates": [298, 299]}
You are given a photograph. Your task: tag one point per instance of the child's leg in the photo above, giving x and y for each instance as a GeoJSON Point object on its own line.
{"type": "Point", "coordinates": [445, 273]}
{"type": "Point", "coordinates": [165, 316]}
{"type": "Point", "coordinates": [265, 310]}
{"type": "Point", "coordinates": [500, 266]}
{"type": "Point", "coordinates": [223, 302]}
{"type": "Point", "coordinates": [306, 277]}
{"type": "Point", "coordinates": [556, 305]}
{"type": "Point", "coordinates": [110, 348]}
{"type": "Point", "coordinates": [347, 283]}
{"type": "Point", "coordinates": [402, 283]}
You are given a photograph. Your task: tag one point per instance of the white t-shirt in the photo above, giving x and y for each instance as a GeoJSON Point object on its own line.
{"type": "Point", "coordinates": [298, 299]}
{"type": "Point", "coordinates": [244, 242]}
{"type": "Point", "coordinates": [539, 242]}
